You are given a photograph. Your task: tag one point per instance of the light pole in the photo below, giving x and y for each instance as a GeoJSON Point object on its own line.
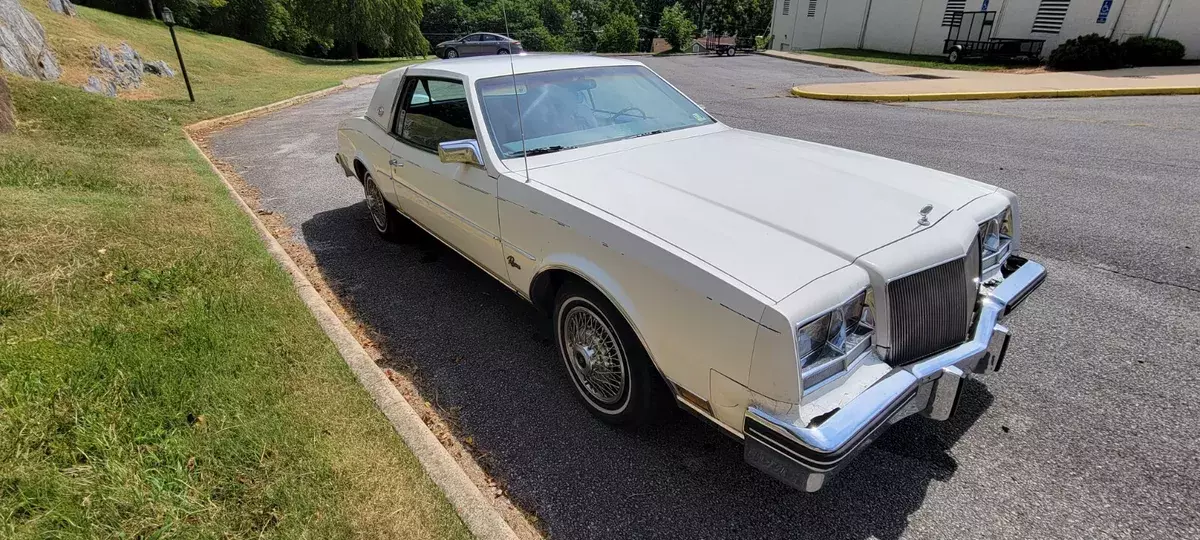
{"type": "Point", "coordinates": [169, 19]}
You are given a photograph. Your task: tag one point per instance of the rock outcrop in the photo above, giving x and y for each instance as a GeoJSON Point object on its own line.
{"type": "Point", "coordinates": [23, 48]}
{"type": "Point", "coordinates": [64, 7]}
{"type": "Point", "coordinates": [122, 70]}
{"type": "Point", "coordinates": [97, 86]}
{"type": "Point", "coordinates": [160, 68]}
{"type": "Point", "coordinates": [8, 119]}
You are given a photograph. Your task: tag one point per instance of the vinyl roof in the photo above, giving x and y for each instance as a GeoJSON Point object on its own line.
{"type": "Point", "coordinates": [482, 67]}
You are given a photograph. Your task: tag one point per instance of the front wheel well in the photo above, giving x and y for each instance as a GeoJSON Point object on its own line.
{"type": "Point", "coordinates": [360, 170]}
{"type": "Point", "coordinates": [545, 287]}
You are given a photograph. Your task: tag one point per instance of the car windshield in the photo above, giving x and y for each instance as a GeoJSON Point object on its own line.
{"type": "Point", "coordinates": [570, 108]}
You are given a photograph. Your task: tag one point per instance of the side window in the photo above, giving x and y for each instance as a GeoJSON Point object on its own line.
{"type": "Point", "coordinates": [473, 38]}
{"type": "Point", "coordinates": [489, 37]}
{"type": "Point", "coordinates": [435, 111]}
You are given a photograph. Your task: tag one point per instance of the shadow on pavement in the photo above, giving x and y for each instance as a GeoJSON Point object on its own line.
{"type": "Point", "coordinates": [480, 351]}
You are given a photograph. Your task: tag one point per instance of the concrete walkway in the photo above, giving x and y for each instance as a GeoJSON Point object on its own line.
{"type": "Point", "coordinates": [945, 84]}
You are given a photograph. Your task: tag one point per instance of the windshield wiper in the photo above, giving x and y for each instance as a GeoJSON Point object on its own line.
{"type": "Point", "coordinates": [655, 132]}
{"type": "Point", "coordinates": [544, 150]}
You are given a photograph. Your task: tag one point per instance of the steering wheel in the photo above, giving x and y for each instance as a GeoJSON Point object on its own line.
{"type": "Point", "coordinates": [625, 112]}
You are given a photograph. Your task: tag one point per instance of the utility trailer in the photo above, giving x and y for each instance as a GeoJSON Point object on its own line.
{"type": "Point", "coordinates": [728, 46]}
{"type": "Point", "coordinates": [970, 36]}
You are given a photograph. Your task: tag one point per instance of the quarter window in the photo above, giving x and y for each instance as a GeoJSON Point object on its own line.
{"type": "Point", "coordinates": [435, 111]}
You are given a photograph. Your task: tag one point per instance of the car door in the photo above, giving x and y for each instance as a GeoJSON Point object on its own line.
{"type": "Point", "coordinates": [490, 44]}
{"type": "Point", "coordinates": [455, 201]}
{"type": "Point", "coordinates": [471, 45]}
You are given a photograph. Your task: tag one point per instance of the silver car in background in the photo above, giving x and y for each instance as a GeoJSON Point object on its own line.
{"type": "Point", "coordinates": [478, 44]}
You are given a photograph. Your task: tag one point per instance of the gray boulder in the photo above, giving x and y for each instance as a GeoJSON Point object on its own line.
{"type": "Point", "coordinates": [160, 68]}
{"type": "Point", "coordinates": [97, 86]}
{"type": "Point", "coordinates": [8, 119]}
{"type": "Point", "coordinates": [123, 68]}
{"type": "Point", "coordinates": [23, 48]}
{"type": "Point", "coordinates": [64, 7]}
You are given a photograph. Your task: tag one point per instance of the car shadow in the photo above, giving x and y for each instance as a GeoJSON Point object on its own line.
{"type": "Point", "coordinates": [486, 357]}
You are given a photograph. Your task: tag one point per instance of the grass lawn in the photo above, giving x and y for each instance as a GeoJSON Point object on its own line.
{"type": "Point", "coordinates": [916, 60]}
{"type": "Point", "coordinates": [158, 374]}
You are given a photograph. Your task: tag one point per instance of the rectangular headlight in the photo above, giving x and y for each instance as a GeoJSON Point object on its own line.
{"type": "Point", "coordinates": [836, 332]}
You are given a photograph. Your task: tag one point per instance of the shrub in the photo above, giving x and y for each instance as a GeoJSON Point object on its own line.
{"type": "Point", "coordinates": [1083, 53]}
{"type": "Point", "coordinates": [676, 27]}
{"type": "Point", "coordinates": [619, 35]}
{"type": "Point", "coordinates": [1147, 51]}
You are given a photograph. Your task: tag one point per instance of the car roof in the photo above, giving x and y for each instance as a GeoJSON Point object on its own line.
{"type": "Point", "coordinates": [482, 67]}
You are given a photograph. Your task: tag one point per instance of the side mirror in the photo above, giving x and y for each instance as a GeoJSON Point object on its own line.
{"type": "Point", "coordinates": [460, 151]}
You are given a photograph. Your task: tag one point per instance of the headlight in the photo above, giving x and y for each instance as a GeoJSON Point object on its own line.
{"type": "Point", "coordinates": [995, 240]}
{"type": "Point", "coordinates": [837, 332]}
{"type": "Point", "coordinates": [994, 232]}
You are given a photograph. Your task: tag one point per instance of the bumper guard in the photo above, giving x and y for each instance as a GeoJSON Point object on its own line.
{"type": "Point", "coordinates": [804, 457]}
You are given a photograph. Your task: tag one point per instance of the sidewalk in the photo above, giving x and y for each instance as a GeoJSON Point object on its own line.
{"type": "Point", "coordinates": [944, 84]}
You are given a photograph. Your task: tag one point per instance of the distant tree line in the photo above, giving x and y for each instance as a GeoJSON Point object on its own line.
{"type": "Point", "coordinates": [354, 28]}
{"type": "Point", "coordinates": [594, 25]}
{"type": "Point", "coordinates": [318, 28]}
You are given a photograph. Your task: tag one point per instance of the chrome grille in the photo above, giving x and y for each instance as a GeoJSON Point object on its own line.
{"type": "Point", "coordinates": [927, 311]}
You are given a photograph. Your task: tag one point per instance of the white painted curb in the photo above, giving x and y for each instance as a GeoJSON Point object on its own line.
{"type": "Point", "coordinates": [472, 506]}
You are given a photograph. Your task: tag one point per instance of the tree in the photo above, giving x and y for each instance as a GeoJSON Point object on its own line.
{"type": "Point", "coordinates": [589, 17]}
{"type": "Point", "coordinates": [443, 19]}
{"type": "Point", "coordinates": [524, 23]}
{"type": "Point", "coordinates": [619, 35]}
{"type": "Point", "coordinates": [386, 26]}
{"type": "Point", "coordinates": [737, 17]}
{"type": "Point", "coordinates": [675, 27]}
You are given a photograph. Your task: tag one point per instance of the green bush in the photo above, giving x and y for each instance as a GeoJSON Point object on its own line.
{"type": "Point", "coordinates": [619, 35]}
{"type": "Point", "coordinates": [1147, 51]}
{"type": "Point", "coordinates": [1083, 53]}
{"type": "Point", "coordinates": [676, 27]}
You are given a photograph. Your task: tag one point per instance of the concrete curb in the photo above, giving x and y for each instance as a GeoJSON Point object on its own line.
{"type": "Point", "coordinates": [1005, 94]}
{"type": "Point", "coordinates": [791, 58]}
{"type": "Point", "coordinates": [469, 502]}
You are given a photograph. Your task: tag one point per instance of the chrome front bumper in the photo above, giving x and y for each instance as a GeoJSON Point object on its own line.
{"type": "Point", "coordinates": [804, 457]}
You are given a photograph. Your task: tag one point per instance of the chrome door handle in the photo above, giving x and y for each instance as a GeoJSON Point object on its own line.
{"type": "Point", "coordinates": [395, 162]}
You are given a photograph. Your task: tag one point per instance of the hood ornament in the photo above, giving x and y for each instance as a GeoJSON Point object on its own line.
{"type": "Point", "coordinates": [924, 221]}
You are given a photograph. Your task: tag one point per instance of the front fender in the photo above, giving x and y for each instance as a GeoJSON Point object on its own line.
{"type": "Point", "coordinates": [597, 277]}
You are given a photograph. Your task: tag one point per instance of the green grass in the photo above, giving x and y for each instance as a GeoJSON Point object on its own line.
{"type": "Point", "coordinates": [915, 60]}
{"type": "Point", "coordinates": [217, 66]}
{"type": "Point", "coordinates": [159, 377]}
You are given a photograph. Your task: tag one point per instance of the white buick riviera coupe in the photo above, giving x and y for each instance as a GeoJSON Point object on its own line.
{"type": "Point", "coordinates": [799, 297]}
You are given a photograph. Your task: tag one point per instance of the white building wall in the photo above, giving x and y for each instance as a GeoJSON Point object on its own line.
{"type": "Point", "coordinates": [843, 23]}
{"type": "Point", "coordinates": [1182, 22]}
{"type": "Point", "coordinates": [781, 26]}
{"type": "Point", "coordinates": [1136, 17]}
{"type": "Point", "coordinates": [891, 24]}
{"type": "Point", "coordinates": [809, 29]}
{"type": "Point", "coordinates": [915, 26]}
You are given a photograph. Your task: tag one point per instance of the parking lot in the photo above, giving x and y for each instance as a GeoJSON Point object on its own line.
{"type": "Point", "coordinates": [1090, 431]}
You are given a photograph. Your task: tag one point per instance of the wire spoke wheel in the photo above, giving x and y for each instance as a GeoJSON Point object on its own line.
{"type": "Point", "coordinates": [376, 205]}
{"type": "Point", "coordinates": [594, 355]}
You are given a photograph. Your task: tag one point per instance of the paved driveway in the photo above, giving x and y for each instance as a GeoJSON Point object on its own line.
{"type": "Point", "coordinates": [1090, 431]}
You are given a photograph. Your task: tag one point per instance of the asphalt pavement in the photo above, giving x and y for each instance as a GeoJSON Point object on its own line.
{"type": "Point", "coordinates": [1089, 432]}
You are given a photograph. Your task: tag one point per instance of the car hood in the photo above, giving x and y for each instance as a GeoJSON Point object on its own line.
{"type": "Point", "coordinates": [771, 212]}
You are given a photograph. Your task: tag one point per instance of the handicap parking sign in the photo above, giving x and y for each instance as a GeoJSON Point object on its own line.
{"type": "Point", "coordinates": [1104, 8]}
